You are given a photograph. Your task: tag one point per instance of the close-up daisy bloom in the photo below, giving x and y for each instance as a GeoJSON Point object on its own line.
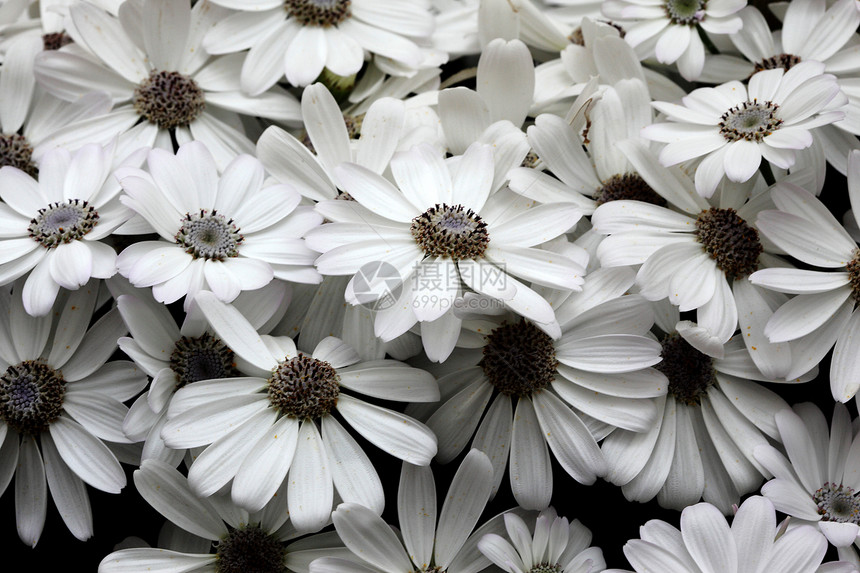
{"type": "Point", "coordinates": [54, 227]}
{"type": "Point", "coordinates": [817, 482]}
{"type": "Point", "coordinates": [60, 401]}
{"type": "Point", "coordinates": [223, 232]}
{"type": "Point", "coordinates": [706, 542]}
{"type": "Point", "coordinates": [260, 427]}
{"type": "Point", "coordinates": [442, 220]}
{"type": "Point", "coordinates": [175, 356]}
{"type": "Point", "coordinates": [673, 30]}
{"type": "Point", "coordinates": [734, 126]}
{"type": "Point", "coordinates": [823, 311]}
{"type": "Point", "coordinates": [300, 38]}
{"type": "Point", "coordinates": [163, 83]}
{"type": "Point", "coordinates": [263, 541]}
{"type": "Point", "coordinates": [545, 396]}
{"type": "Point", "coordinates": [557, 546]}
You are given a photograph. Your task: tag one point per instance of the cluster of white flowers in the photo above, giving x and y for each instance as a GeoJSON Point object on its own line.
{"type": "Point", "coordinates": [242, 241]}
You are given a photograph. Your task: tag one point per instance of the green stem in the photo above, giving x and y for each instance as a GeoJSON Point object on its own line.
{"type": "Point", "coordinates": [707, 41]}
{"type": "Point", "coordinates": [766, 172]}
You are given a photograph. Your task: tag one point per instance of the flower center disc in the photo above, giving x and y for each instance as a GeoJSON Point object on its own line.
{"type": "Point", "coordinates": [837, 503]}
{"type": "Point", "coordinates": [629, 186]}
{"type": "Point", "coordinates": [31, 396]}
{"type": "Point", "coordinates": [168, 99]}
{"type": "Point", "coordinates": [201, 358]}
{"type": "Point", "coordinates": [854, 275]}
{"type": "Point", "coordinates": [784, 61]}
{"type": "Point", "coordinates": [750, 120]}
{"type": "Point", "coordinates": [55, 41]}
{"type": "Point", "coordinates": [689, 371]}
{"type": "Point", "coordinates": [250, 550]}
{"type": "Point", "coordinates": [16, 152]}
{"type": "Point", "coordinates": [519, 359]}
{"type": "Point", "coordinates": [451, 231]}
{"type": "Point", "coordinates": [304, 387]}
{"type": "Point", "coordinates": [546, 568]}
{"type": "Point", "coordinates": [319, 13]}
{"type": "Point", "coordinates": [732, 243]}
{"type": "Point", "coordinates": [685, 12]}
{"type": "Point", "coordinates": [209, 236]}
{"type": "Point", "coordinates": [63, 223]}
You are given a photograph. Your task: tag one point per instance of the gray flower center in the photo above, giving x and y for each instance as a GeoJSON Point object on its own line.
{"type": "Point", "coordinates": [209, 236]}
{"type": "Point", "coordinates": [63, 223]}
{"type": "Point", "coordinates": [751, 120]}
{"type": "Point", "coordinates": [31, 396]}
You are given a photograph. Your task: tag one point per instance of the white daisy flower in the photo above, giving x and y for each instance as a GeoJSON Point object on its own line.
{"type": "Point", "coordinates": [809, 32]}
{"type": "Point", "coordinates": [54, 226]}
{"type": "Point", "coordinates": [818, 482]}
{"type": "Point", "coordinates": [242, 541]}
{"type": "Point", "coordinates": [175, 357]}
{"type": "Point", "coordinates": [709, 423]}
{"type": "Point", "coordinates": [299, 38]}
{"type": "Point", "coordinates": [556, 546]}
{"type": "Point", "coordinates": [59, 403]}
{"type": "Point", "coordinates": [226, 233]}
{"type": "Point", "coordinates": [672, 30]}
{"type": "Point", "coordinates": [548, 395]}
{"type": "Point", "coordinates": [427, 546]}
{"type": "Point", "coordinates": [262, 426]}
{"type": "Point", "coordinates": [154, 67]}
{"type": "Point", "coordinates": [697, 254]}
{"type": "Point", "coordinates": [734, 126]}
{"type": "Point", "coordinates": [823, 312]}
{"type": "Point", "coordinates": [706, 542]}
{"type": "Point", "coordinates": [444, 222]}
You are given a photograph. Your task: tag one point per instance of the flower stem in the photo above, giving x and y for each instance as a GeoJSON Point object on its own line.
{"type": "Point", "coordinates": [707, 41]}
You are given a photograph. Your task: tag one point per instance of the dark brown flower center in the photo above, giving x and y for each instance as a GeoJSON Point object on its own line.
{"type": "Point", "coordinates": [31, 396]}
{"type": "Point", "coordinates": [63, 223]}
{"type": "Point", "coordinates": [750, 120]}
{"type": "Point", "coordinates": [15, 151]}
{"type": "Point", "coordinates": [201, 358]}
{"type": "Point", "coordinates": [854, 275]}
{"type": "Point", "coordinates": [319, 13]}
{"type": "Point", "coordinates": [689, 371]}
{"type": "Point", "coordinates": [627, 186]}
{"type": "Point", "coordinates": [304, 387]}
{"type": "Point", "coordinates": [519, 359]}
{"type": "Point", "coordinates": [730, 241]}
{"type": "Point", "coordinates": [783, 61]}
{"type": "Point", "coordinates": [55, 41]}
{"type": "Point", "coordinates": [168, 99]}
{"type": "Point", "coordinates": [209, 236]}
{"type": "Point", "coordinates": [451, 231]}
{"type": "Point", "coordinates": [250, 550]}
